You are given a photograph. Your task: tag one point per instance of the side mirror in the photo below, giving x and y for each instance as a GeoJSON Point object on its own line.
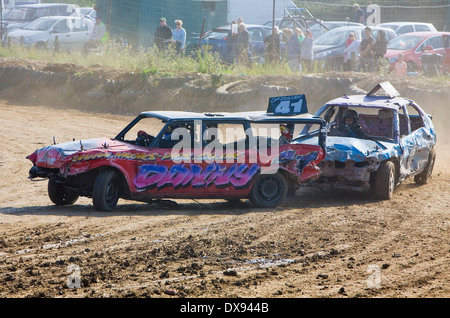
{"type": "Point", "coordinates": [428, 48]}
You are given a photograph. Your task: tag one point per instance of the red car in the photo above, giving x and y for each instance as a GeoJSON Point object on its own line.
{"type": "Point", "coordinates": [413, 45]}
{"type": "Point", "coordinates": [170, 154]}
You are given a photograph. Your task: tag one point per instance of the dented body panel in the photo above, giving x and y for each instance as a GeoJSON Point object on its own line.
{"type": "Point", "coordinates": [155, 171]}
{"type": "Point", "coordinates": [397, 129]}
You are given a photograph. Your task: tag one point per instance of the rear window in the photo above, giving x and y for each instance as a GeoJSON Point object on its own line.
{"type": "Point", "coordinates": [422, 27]}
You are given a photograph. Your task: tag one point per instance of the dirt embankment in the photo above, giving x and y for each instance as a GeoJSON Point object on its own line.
{"type": "Point", "coordinates": [316, 245]}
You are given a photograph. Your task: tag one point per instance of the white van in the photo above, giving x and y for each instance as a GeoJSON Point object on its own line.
{"type": "Point", "coordinates": [19, 16]}
{"type": "Point", "coordinates": [5, 5]}
{"type": "Point", "coordinates": [71, 32]}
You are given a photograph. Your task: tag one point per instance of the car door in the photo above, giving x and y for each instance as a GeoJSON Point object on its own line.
{"type": "Point", "coordinates": [80, 33]}
{"type": "Point", "coordinates": [225, 159]}
{"type": "Point", "coordinates": [62, 33]}
{"type": "Point", "coordinates": [417, 138]}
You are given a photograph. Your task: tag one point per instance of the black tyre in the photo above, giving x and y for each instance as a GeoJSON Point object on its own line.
{"type": "Point", "coordinates": [105, 194]}
{"type": "Point", "coordinates": [424, 176]}
{"type": "Point", "coordinates": [385, 181]}
{"type": "Point", "coordinates": [269, 190]}
{"type": "Point", "coordinates": [59, 195]}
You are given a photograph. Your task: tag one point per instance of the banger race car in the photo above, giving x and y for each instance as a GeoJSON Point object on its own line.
{"type": "Point", "coordinates": [176, 154]}
{"type": "Point", "coordinates": [375, 141]}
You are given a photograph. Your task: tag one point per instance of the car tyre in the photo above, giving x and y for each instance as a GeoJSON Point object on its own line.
{"type": "Point", "coordinates": [269, 190]}
{"type": "Point", "coordinates": [424, 176]}
{"type": "Point", "coordinates": [59, 195]}
{"type": "Point", "coordinates": [385, 181]}
{"type": "Point", "coordinates": [105, 194]}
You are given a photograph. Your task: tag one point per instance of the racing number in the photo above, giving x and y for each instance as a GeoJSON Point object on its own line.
{"type": "Point", "coordinates": [284, 107]}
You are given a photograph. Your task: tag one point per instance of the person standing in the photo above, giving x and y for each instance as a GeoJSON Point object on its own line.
{"type": "Point", "coordinates": [306, 54]}
{"type": "Point", "coordinates": [365, 51]}
{"type": "Point", "coordinates": [352, 47]}
{"type": "Point", "coordinates": [273, 46]}
{"type": "Point", "coordinates": [179, 36]}
{"type": "Point", "coordinates": [162, 34]}
{"type": "Point", "coordinates": [358, 17]}
{"type": "Point", "coordinates": [242, 45]}
{"type": "Point", "coordinates": [293, 51]}
{"type": "Point", "coordinates": [400, 68]}
{"type": "Point", "coordinates": [379, 48]}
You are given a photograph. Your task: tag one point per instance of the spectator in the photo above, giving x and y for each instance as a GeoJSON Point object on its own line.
{"type": "Point", "coordinates": [306, 55]}
{"type": "Point", "coordinates": [179, 36]}
{"type": "Point", "coordinates": [352, 46]}
{"type": "Point", "coordinates": [162, 34]}
{"type": "Point", "coordinates": [365, 49]}
{"type": "Point", "coordinates": [99, 34]}
{"type": "Point", "coordinates": [293, 51]}
{"type": "Point", "coordinates": [359, 14]}
{"type": "Point", "coordinates": [273, 46]}
{"type": "Point", "coordinates": [379, 48]}
{"type": "Point", "coordinates": [242, 45]}
{"type": "Point", "coordinates": [400, 67]}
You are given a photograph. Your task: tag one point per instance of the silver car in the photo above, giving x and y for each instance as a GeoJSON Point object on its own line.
{"type": "Point", "coordinates": [47, 32]}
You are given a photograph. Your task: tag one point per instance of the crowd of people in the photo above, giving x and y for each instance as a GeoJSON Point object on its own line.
{"type": "Point", "coordinates": [165, 36]}
{"type": "Point", "coordinates": [364, 55]}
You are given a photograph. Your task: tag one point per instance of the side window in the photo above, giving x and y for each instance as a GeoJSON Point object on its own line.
{"type": "Point", "coordinates": [225, 133]}
{"type": "Point", "coordinates": [415, 118]}
{"type": "Point", "coordinates": [435, 42]}
{"type": "Point", "coordinates": [421, 27]}
{"type": "Point", "coordinates": [62, 27]}
{"type": "Point", "coordinates": [405, 29]}
{"type": "Point", "coordinates": [79, 25]}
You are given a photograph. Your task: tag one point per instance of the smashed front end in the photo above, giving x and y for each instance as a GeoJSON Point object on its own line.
{"type": "Point", "coordinates": [350, 163]}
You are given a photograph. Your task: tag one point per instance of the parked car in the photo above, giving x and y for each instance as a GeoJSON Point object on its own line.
{"type": "Point", "coordinates": [220, 156]}
{"type": "Point", "coordinates": [414, 45]}
{"type": "Point", "coordinates": [397, 142]}
{"type": "Point", "coordinates": [219, 40]}
{"type": "Point", "coordinates": [19, 16]}
{"type": "Point", "coordinates": [324, 26]}
{"type": "Point", "coordinates": [329, 47]}
{"type": "Point", "coordinates": [407, 27]}
{"type": "Point", "coordinates": [69, 32]}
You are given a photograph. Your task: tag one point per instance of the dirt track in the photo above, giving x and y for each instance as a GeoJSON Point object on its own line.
{"type": "Point", "coordinates": [315, 245]}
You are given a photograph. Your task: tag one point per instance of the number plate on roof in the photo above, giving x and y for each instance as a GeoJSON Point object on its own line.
{"type": "Point", "coordinates": [287, 105]}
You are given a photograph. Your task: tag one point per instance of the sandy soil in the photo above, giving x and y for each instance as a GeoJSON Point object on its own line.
{"type": "Point", "coordinates": [315, 245]}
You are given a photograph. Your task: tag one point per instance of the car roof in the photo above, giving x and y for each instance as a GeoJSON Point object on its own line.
{"type": "Point", "coordinates": [403, 23]}
{"type": "Point", "coordinates": [42, 5]}
{"type": "Point", "coordinates": [369, 101]}
{"type": "Point", "coordinates": [253, 116]}
{"type": "Point", "coordinates": [227, 27]}
{"type": "Point", "coordinates": [425, 33]}
{"type": "Point", "coordinates": [390, 100]}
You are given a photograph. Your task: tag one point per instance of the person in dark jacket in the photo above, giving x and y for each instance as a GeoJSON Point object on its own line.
{"type": "Point", "coordinates": [349, 127]}
{"type": "Point", "coordinates": [242, 45]}
{"type": "Point", "coordinates": [162, 34]}
{"type": "Point", "coordinates": [272, 42]}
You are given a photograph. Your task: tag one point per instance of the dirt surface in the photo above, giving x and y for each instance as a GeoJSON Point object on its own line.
{"type": "Point", "coordinates": [338, 245]}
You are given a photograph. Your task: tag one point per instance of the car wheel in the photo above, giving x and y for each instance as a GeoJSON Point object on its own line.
{"type": "Point", "coordinates": [269, 190]}
{"type": "Point", "coordinates": [385, 181]}
{"type": "Point", "coordinates": [424, 176]}
{"type": "Point", "coordinates": [105, 194]}
{"type": "Point", "coordinates": [59, 195]}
